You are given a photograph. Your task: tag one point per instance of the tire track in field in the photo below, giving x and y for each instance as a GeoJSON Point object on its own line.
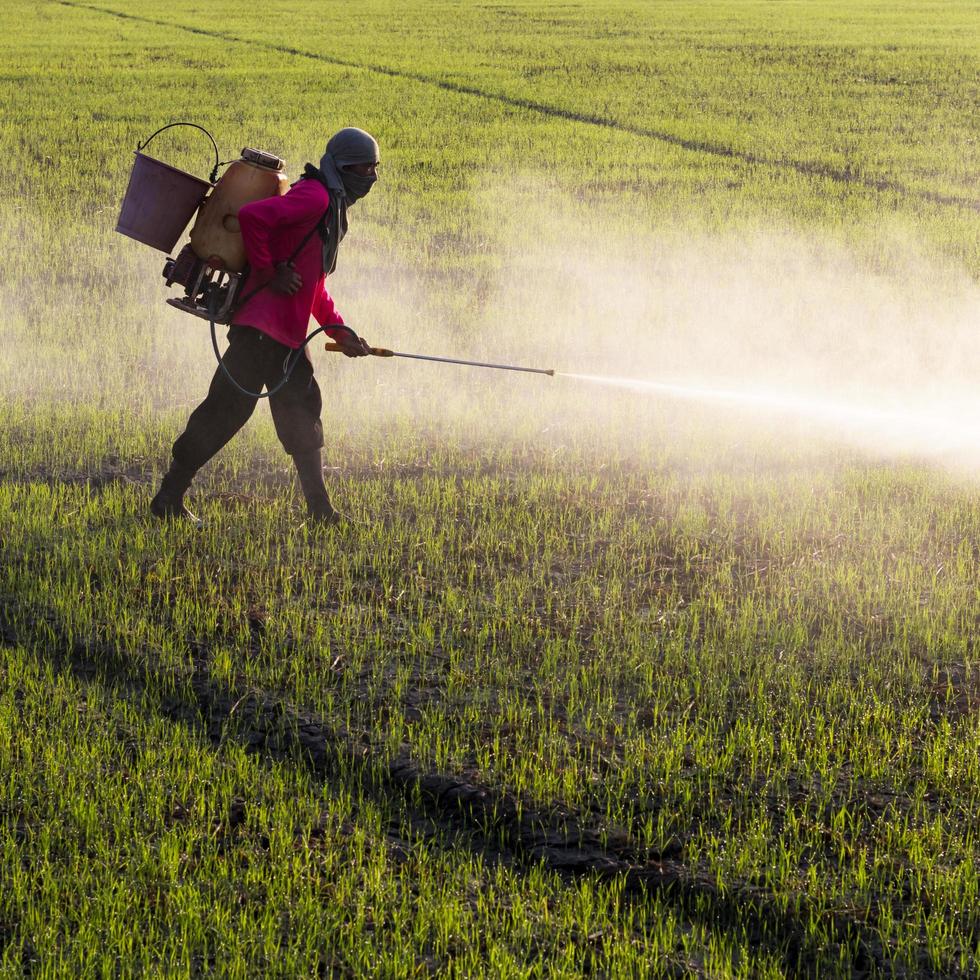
{"type": "Point", "coordinates": [808, 168]}
{"type": "Point", "coordinates": [487, 821]}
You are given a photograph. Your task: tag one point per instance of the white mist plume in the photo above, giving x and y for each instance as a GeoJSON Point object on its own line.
{"type": "Point", "coordinates": [777, 326]}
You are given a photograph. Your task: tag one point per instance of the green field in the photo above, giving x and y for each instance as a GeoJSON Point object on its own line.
{"type": "Point", "coordinates": [597, 681]}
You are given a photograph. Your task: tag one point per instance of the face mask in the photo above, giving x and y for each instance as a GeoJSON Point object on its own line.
{"type": "Point", "coordinates": [355, 185]}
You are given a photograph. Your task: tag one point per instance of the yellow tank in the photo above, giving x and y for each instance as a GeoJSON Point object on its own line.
{"type": "Point", "coordinates": [216, 236]}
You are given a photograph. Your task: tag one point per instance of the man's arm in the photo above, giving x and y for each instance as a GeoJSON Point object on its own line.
{"type": "Point", "coordinates": [325, 313]}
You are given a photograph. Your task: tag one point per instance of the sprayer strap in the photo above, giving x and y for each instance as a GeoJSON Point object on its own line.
{"type": "Point", "coordinates": [299, 248]}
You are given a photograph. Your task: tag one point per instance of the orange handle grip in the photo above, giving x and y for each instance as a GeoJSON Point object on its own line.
{"type": "Point", "coordinates": [376, 351]}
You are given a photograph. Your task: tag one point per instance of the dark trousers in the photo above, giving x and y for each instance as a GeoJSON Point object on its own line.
{"type": "Point", "coordinates": [255, 361]}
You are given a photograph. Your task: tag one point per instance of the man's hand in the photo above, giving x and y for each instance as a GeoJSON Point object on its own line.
{"type": "Point", "coordinates": [352, 345]}
{"type": "Point", "coordinates": [286, 280]}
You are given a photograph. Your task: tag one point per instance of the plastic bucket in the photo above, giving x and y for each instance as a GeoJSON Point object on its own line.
{"type": "Point", "coordinates": [159, 203]}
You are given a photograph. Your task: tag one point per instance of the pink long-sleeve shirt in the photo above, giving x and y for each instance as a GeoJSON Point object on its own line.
{"type": "Point", "coordinates": [272, 229]}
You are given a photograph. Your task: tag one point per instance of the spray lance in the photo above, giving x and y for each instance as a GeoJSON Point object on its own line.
{"type": "Point", "coordinates": [160, 202]}
{"type": "Point", "coordinates": [384, 352]}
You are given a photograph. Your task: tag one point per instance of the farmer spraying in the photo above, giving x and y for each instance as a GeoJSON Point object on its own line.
{"type": "Point", "coordinates": [288, 267]}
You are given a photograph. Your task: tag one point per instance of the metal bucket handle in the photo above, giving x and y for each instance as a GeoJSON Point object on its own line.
{"type": "Point", "coordinates": [214, 171]}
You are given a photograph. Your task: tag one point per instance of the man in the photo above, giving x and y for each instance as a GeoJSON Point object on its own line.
{"type": "Point", "coordinates": [271, 324]}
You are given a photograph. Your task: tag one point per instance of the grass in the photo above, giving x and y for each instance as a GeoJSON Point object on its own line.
{"type": "Point", "coordinates": [594, 684]}
{"type": "Point", "coordinates": [125, 815]}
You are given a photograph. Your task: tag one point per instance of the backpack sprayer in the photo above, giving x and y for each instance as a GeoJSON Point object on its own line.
{"type": "Point", "coordinates": [160, 202]}
{"type": "Point", "coordinates": [212, 267]}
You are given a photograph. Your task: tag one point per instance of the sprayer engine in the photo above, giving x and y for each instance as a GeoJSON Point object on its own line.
{"type": "Point", "coordinates": [161, 200]}
{"type": "Point", "coordinates": [209, 292]}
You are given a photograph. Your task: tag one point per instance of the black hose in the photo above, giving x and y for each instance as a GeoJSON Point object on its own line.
{"type": "Point", "coordinates": [288, 365]}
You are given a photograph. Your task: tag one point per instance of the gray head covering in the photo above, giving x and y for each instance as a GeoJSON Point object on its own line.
{"type": "Point", "coordinates": [348, 147]}
{"type": "Point", "coordinates": [345, 148]}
